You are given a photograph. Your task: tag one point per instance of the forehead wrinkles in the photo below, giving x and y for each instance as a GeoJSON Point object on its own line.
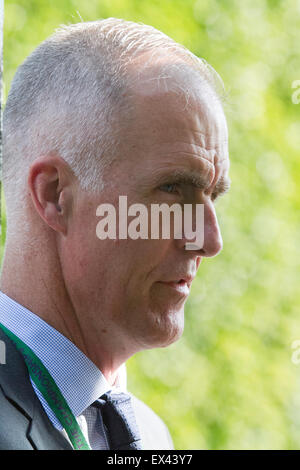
{"type": "Point", "coordinates": [163, 131]}
{"type": "Point", "coordinates": [199, 148]}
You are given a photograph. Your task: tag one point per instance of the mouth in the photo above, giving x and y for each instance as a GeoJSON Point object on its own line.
{"type": "Point", "coordinates": [182, 286]}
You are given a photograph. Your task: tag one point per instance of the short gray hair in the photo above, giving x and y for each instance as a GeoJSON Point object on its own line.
{"type": "Point", "coordinates": [68, 96]}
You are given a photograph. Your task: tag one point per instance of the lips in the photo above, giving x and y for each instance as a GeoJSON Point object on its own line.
{"type": "Point", "coordinates": [182, 285]}
{"type": "Point", "coordinates": [183, 280]}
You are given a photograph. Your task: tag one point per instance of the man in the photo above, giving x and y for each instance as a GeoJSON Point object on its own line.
{"type": "Point", "coordinates": [99, 110]}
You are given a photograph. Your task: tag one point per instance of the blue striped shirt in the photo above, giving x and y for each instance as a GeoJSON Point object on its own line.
{"type": "Point", "coordinates": [78, 378]}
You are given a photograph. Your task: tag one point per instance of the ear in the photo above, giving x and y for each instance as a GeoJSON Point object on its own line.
{"type": "Point", "coordinates": [49, 183]}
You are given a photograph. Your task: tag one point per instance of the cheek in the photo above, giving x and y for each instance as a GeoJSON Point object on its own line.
{"type": "Point", "coordinates": [81, 249]}
{"type": "Point", "coordinates": [77, 259]}
{"type": "Point", "coordinates": [147, 256]}
{"type": "Point", "coordinates": [130, 264]}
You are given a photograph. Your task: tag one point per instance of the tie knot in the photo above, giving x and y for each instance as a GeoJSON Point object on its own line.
{"type": "Point", "coordinates": [119, 399]}
{"type": "Point", "coordinates": [118, 417]}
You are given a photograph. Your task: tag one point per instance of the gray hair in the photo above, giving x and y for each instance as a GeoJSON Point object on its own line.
{"type": "Point", "coordinates": [69, 95]}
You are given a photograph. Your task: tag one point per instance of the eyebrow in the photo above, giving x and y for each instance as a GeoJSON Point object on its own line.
{"type": "Point", "coordinates": [196, 180]}
{"type": "Point", "coordinates": [185, 177]}
{"type": "Point", "coordinates": [222, 187]}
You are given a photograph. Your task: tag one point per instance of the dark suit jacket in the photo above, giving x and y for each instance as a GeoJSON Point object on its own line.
{"type": "Point", "coordinates": [24, 425]}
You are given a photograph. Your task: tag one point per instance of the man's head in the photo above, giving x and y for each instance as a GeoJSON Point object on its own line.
{"type": "Point", "coordinates": [100, 110]}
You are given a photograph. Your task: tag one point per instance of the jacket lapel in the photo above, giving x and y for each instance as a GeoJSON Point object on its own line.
{"type": "Point", "coordinates": [16, 386]}
{"type": "Point", "coordinates": [42, 433]}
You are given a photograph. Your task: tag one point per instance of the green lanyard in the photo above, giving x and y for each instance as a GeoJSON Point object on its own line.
{"type": "Point", "coordinates": [50, 391]}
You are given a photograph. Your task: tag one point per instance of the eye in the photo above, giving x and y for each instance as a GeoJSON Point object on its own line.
{"type": "Point", "coordinates": [169, 187]}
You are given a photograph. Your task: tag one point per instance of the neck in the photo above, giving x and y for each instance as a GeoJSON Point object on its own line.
{"type": "Point", "coordinates": [34, 279]}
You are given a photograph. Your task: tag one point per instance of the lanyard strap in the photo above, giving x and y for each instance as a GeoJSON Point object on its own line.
{"type": "Point", "coordinates": [50, 391]}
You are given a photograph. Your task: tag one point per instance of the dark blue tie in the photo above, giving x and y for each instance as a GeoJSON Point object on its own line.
{"type": "Point", "coordinates": [119, 420]}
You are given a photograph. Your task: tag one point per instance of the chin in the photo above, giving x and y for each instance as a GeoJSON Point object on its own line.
{"type": "Point", "coordinates": [167, 327]}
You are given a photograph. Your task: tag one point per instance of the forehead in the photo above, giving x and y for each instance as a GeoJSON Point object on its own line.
{"type": "Point", "coordinates": [175, 124]}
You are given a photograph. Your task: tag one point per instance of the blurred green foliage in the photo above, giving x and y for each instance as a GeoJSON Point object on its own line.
{"type": "Point", "coordinates": [229, 383]}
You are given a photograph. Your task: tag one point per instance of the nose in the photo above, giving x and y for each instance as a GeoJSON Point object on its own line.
{"type": "Point", "coordinates": [211, 237]}
{"type": "Point", "coordinates": [213, 242]}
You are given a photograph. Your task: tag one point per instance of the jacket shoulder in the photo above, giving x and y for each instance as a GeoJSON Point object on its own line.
{"type": "Point", "coordinates": [24, 423]}
{"type": "Point", "coordinates": [13, 426]}
{"type": "Point", "coordinates": [154, 432]}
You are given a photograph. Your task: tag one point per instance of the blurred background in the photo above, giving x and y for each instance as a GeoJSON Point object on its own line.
{"type": "Point", "coordinates": [233, 380]}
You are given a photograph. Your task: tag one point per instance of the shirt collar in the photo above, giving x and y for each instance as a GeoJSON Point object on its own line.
{"type": "Point", "coordinates": [77, 377]}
